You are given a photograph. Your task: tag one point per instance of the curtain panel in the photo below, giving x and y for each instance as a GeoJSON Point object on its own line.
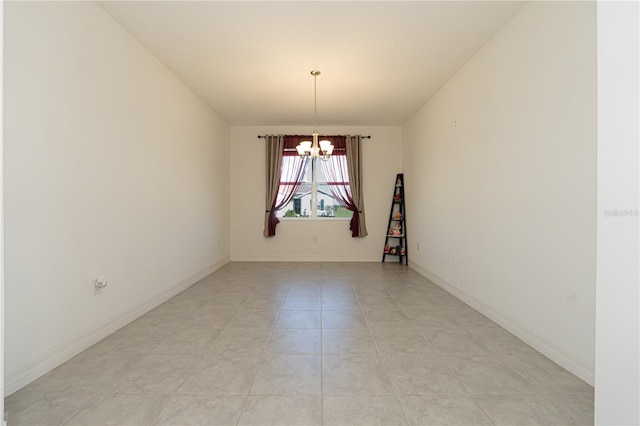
{"type": "Point", "coordinates": [284, 172]}
{"type": "Point", "coordinates": [273, 163]}
{"type": "Point", "coordinates": [345, 165]}
{"type": "Point", "coordinates": [358, 224]}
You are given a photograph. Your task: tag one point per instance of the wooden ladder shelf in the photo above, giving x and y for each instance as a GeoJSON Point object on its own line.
{"type": "Point", "coordinates": [395, 243]}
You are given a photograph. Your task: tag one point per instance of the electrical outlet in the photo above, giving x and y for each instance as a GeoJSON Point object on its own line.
{"type": "Point", "coordinates": [100, 283]}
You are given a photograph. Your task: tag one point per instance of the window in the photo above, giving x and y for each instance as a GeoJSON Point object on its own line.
{"type": "Point", "coordinates": [313, 199]}
{"type": "Point", "coordinates": [298, 186]}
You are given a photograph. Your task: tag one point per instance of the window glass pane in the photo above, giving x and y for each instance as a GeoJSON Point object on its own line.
{"type": "Point", "coordinates": [329, 206]}
{"type": "Point", "coordinates": [320, 173]}
{"type": "Point", "coordinates": [339, 162]}
{"type": "Point", "coordinates": [300, 205]}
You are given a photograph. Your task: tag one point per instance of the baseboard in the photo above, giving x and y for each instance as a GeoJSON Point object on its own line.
{"type": "Point", "coordinates": [557, 353]}
{"type": "Point", "coordinates": [27, 373]}
{"type": "Point", "coordinates": [280, 258]}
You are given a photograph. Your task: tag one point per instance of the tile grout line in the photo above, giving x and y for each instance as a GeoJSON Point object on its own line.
{"type": "Point", "coordinates": [202, 361]}
{"type": "Point", "coordinates": [395, 393]}
{"type": "Point", "coordinates": [437, 353]}
{"type": "Point", "coordinates": [321, 361]}
{"type": "Point", "coordinates": [382, 363]}
{"type": "Point", "coordinates": [263, 359]}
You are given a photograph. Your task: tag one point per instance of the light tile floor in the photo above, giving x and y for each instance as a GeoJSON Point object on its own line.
{"type": "Point", "coordinates": [307, 344]}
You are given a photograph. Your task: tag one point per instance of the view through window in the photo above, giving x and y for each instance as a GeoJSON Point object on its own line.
{"type": "Point", "coordinates": [313, 200]}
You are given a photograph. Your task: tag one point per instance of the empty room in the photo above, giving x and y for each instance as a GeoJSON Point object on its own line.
{"type": "Point", "coordinates": [320, 213]}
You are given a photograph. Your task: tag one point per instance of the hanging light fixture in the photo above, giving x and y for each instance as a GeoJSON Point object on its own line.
{"type": "Point", "coordinates": [313, 149]}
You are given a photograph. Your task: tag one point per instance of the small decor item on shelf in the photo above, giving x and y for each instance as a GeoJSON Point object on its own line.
{"type": "Point", "coordinates": [386, 248]}
{"type": "Point", "coordinates": [398, 215]}
{"type": "Point", "coordinates": [396, 231]}
{"type": "Point", "coordinates": [402, 251]}
{"type": "Point", "coordinates": [398, 182]}
{"type": "Point", "coordinates": [393, 250]}
{"type": "Point", "coordinates": [396, 198]}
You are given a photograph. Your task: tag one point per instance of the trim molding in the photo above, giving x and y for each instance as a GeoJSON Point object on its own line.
{"type": "Point", "coordinates": [279, 258]}
{"type": "Point", "coordinates": [27, 373]}
{"type": "Point", "coordinates": [551, 349]}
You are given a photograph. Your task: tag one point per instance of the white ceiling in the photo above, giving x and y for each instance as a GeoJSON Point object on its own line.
{"type": "Point", "coordinates": [251, 61]}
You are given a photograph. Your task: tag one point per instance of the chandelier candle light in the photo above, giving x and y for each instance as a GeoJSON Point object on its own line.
{"type": "Point", "coordinates": [309, 149]}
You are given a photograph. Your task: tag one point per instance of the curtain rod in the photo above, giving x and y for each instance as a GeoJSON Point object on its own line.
{"type": "Point", "coordinates": [363, 137]}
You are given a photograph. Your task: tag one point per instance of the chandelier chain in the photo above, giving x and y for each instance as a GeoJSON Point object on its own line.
{"type": "Point", "coordinates": [311, 149]}
{"type": "Point", "coordinates": [315, 102]}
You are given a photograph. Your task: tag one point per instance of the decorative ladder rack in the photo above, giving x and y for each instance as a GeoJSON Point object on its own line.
{"type": "Point", "coordinates": [395, 243]}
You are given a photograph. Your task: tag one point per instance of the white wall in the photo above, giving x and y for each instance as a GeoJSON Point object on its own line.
{"type": "Point", "coordinates": [305, 240]}
{"type": "Point", "coordinates": [112, 166]}
{"type": "Point", "coordinates": [1, 218]}
{"type": "Point", "coordinates": [502, 165]}
{"type": "Point", "coordinates": [617, 396]}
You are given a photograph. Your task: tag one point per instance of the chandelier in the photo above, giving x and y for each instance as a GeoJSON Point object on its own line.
{"type": "Point", "coordinates": [313, 149]}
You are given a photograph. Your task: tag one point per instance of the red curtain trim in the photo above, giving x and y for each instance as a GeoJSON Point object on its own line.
{"type": "Point", "coordinates": [321, 183]}
{"type": "Point", "coordinates": [291, 141]}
